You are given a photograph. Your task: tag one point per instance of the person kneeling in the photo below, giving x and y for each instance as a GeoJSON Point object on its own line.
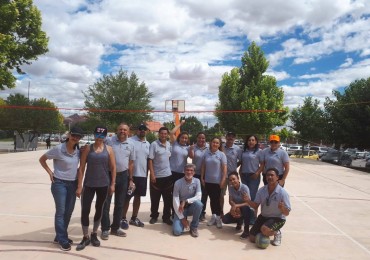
{"type": "Point", "coordinates": [240, 211]}
{"type": "Point", "coordinates": [187, 202]}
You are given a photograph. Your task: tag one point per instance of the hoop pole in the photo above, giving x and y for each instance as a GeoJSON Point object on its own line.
{"type": "Point", "coordinates": [177, 122]}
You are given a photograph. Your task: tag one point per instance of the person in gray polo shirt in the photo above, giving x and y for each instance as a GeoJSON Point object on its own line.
{"type": "Point", "coordinates": [186, 202]}
{"type": "Point", "coordinates": [161, 183]}
{"type": "Point", "coordinates": [275, 206]}
{"type": "Point", "coordinates": [124, 152]}
{"type": "Point", "coordinates": [274, 157]}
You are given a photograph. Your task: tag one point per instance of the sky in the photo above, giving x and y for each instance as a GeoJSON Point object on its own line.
{"type": "Point", "coordinates": [180, 49]}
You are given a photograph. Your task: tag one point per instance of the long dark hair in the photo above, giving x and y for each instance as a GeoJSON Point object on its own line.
{"type": "Point", "coordinates": [246, 143]}
{"type": "Point", "coordinates": [75, 146]}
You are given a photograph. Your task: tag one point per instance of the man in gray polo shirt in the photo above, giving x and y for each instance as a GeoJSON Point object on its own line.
{"type": "Point", "coordinates": [124, 152]}
{"type": "Point", "coordinates": [187, 196]}
{"type": "Point", "coordinates": [161, 183]}
{"type": "Point", "coordinates": [275, 206]}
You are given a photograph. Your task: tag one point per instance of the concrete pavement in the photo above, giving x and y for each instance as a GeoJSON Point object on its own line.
{"type": "Point", "coordinates": [329, 220]}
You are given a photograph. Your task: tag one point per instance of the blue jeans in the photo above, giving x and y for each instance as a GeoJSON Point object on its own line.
{"type": "Point", "coordinates": [252, 184]}
{"type": "Point", "coordinates": [119, 199]}
{"type": "Point", "coordinates": [194, 209]}
{"type": "Point", "coordinates": [64, 193]}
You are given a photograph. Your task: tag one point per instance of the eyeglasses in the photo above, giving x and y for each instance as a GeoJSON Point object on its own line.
{"type": "Point", "coordinates": [273, 142]}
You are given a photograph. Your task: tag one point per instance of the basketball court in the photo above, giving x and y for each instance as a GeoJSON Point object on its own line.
{"type": "Point", "coordinates": [329, 220]}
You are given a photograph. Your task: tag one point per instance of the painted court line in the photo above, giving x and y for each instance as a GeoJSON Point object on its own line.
{"type": "Point", "coordinates": [333, 225]}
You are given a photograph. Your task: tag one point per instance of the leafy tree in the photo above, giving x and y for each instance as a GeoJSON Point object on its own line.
{"type": "Point", "coordinates": [118, 92]}
{"type": "Point", "coordinates": [34, 117]}
{"type": "Point", "coordinates": [308, 120]}
{"type": "Point", "coordinates": [213, 131]}
{"type": "Point", "coordinates": [247, 88]}
{"type": "Point", "coordinates": [21, 38]}
{"type": "Point", "coordinates": [348, 115]}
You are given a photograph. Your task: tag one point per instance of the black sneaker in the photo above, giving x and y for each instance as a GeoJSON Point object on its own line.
{"type": "Point", "coordinates": [244, 235]}
{"type": "Point", "coordinates": [65, 247]}
{"type": "Point", "coordinates": [70, 241]}
{"type": "Point", "coordinates": [84, 242]}
{"type": "Point", "coordinates": [94, 239]}
{"type": "Point", "coordinates": [153, 220]}
{"type": "Point", "coordinates": [238, 227]}
{"type": "Point", "coordinates": [168, 222]}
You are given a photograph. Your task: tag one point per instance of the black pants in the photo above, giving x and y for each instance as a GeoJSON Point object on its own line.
{"type": "Point", "coordinates": [163, 187]}
{"type": "Point", "coordinates": [86, 200]}
{"type": "Point", "coordinates": [204, 195]}
{"type": "Point", "coordinates": [214, 192]}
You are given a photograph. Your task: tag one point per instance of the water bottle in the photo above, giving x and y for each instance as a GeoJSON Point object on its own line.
{"type": "Point", "coordinates": [131, 189]}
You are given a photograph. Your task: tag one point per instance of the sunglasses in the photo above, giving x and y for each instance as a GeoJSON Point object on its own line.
{"type": "Point", "coordinates": [76, 136]}
{"type": "Point", "coordinates": [273, 142]}
{"type": "Point", "coordinates": [97, 135]}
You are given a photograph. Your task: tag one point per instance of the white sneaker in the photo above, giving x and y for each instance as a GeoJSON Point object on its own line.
{"type": "Point", "coordinates": [277, 239]}
{"type": "Point", "coordinates": [212, 221]}
{"type": "Point", "coordinates": [218, 222]}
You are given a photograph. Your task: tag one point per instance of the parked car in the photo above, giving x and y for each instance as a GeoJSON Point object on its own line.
{"type": "Point", "coordinates": [293, 148]}
{"type": "Point", "coordinates": [367, 165]}
{"type": "Point", "coordinates": [337, 157]}
{"type": "Point", "coordinates": [308, 154]}
{"type": "Point", "coordinates": [320, 150]}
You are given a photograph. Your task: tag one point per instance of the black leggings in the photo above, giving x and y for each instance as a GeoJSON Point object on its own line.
{"type": "Point", "coordinates": [214, 193]}
{"type": "Point", "coordinates": [86, 200]}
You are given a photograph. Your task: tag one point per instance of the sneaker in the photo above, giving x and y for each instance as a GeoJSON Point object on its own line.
{"type": "Point", "coordinates": [202, 216]}
{"type": "Point", "coordinates": [65, 247]}
{"type": "Point", "coordinates": [212, 221]}
{"type": "Point", "coordinates": [218, 222]}
{"type": "Point", "coordinates": [70, 241]}
{"type": "Point", "coordinates": [94, 240]}
{"type": "Point", "coordinates": [136, 222]}
{"type": "Point", "coordinates": [153, 220]}
{"type": "Point", "coordinates": [277, 239]}
{"type": "Point", "coordinates": [119, 233]}
{"type": "Point", "coordinates": [168, 222]}
{"type": "Point", "coordinates": [238, 227]}
{"type": "Point", "coordinates": [85, 242]}
{"type": "Point", "coordinates": [104, 235]}
{"type": "Point", "coordinates": [124, 224]}
{"type": "Point", "coordinates": [244, 235]}
{"type": "Point", "coordinates": [194, 232]}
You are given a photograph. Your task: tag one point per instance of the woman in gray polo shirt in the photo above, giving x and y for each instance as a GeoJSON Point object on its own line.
{"type": "Point", "coordinates": [66, 157]}
{"type": "Point", "coordinates": [214, 169]}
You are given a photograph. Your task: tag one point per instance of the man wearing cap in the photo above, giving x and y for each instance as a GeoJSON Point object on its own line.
{"type": "Point", "coordinates": [124, 152]}
{"type": "Point", "coordinates": [140, 174]}
{"type": "Point", "coordinates": [274, 157]}
{"type": "Point", "coordinates": [233, 155]}
{"type": "Point", "coordinates": [187, 196]}
{"type": "Point", "coordinates": [161, 182]}
{"type": "Point", "coordinates": [275, 206]}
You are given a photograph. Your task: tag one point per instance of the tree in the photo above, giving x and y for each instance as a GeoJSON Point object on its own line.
{"type": "Point", "coordinates": [21, 38]}
{"type": "Point", "coordinates": [247, 88]}
{"type": "Point", "coordinates": [309, 121]}
{"type": "Point", "coordinates": [34, 117]}
{"type": "Point", "coordinates": [118, 92]}
{"type": "Point", "coordinates": [348, 115]}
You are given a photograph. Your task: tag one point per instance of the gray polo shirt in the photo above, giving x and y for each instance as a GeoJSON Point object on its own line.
{"type": "Point", "coordinates": [183, 190]}
{"type": "Point", "coordinates": [274, 159]}
{"type": "Point", "coordinates": [213, 163]}
{"type": "Point", "coordinates": [142, 155]}
{"type": "Point", "coordinates": [179, 156]}
{"type": "Point", "coordinates": [250, 161]}
{"type": "Point", "coordinates": [269, 203]}
{"type": "Point", "coordinates": [198, 158]}
{"type": "Point", "coordinates": [65, 164]}
{"type": "Point", "coordinates": [237, 195]}
{"type": "Point", "coordinates": [160, 154]}
{"type": "Point", "coordinates": [123, 152]}
{"type": "Point", "coordinates": [233, 155]}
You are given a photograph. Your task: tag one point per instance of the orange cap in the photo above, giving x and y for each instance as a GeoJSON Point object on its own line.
{"type": "Point", "coordinates": [274, 138]}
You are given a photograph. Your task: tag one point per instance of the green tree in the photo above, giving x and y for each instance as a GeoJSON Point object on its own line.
{"type": "Point", "coordinates": [118, 92]}
{"type": "Point", "coordinates": [309, 120]}
{"type": "Point", "coordinates": [348, 116]}
{"type": "Point", "coordinates": [21, 38]}
{"type": "Point", "coordinates": [248, 89]}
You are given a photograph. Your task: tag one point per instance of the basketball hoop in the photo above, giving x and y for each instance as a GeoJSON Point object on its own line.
{"type": "Point", "coordinates": [176, 107]}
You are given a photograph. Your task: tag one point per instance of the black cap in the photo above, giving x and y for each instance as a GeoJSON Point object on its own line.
{"type": "Point", "coordinates": [101, 130]}
{"type": "Point", "coordinates": [76, 131]}
{"type": "Point", "coordinates": [231, 134]}
{"type": "Point", "coordinates": [142, 127]}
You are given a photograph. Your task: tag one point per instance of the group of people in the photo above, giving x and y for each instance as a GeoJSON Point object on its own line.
{"type": "Point", "coordinates": [118, 164]}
